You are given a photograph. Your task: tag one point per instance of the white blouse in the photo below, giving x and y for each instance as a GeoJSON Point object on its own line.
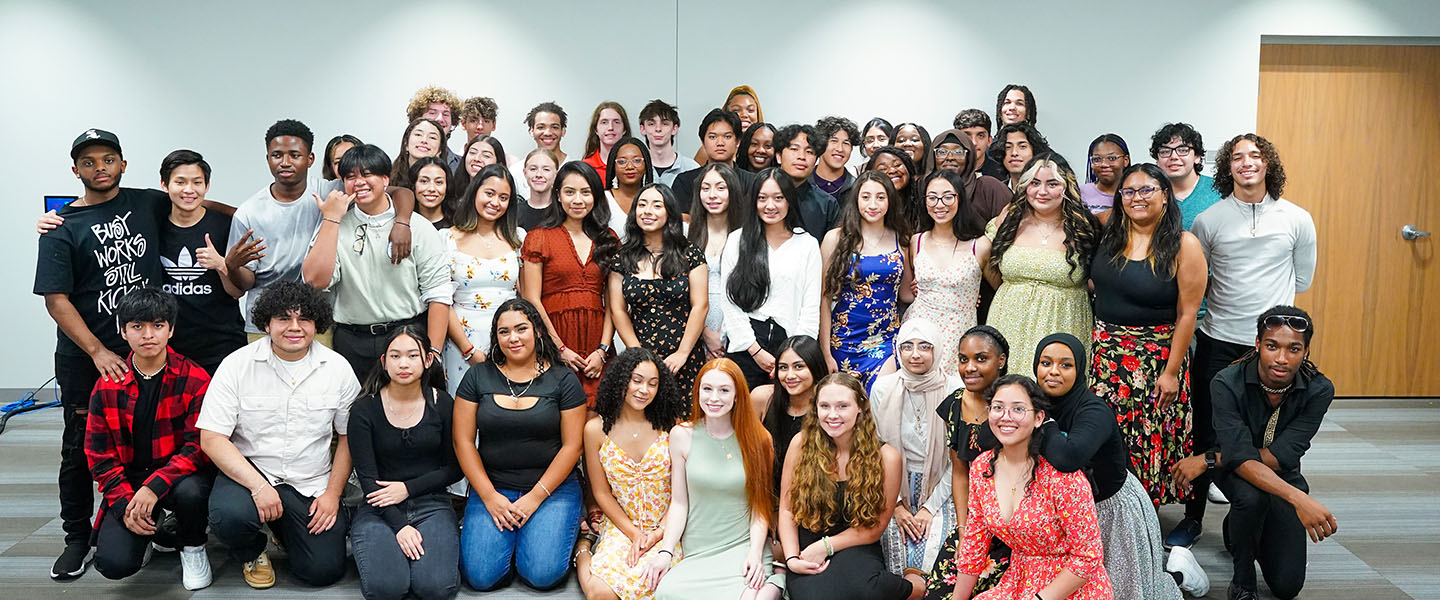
{"type": "Point", "coordinates": [794, 298]}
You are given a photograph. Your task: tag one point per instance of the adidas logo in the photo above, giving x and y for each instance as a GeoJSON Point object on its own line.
{"type": "Point", "coordinates": [183, 268]}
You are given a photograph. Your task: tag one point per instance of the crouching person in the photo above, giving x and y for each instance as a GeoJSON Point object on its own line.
{"type": "Point", "coordinates": [143, 448]}
{"type": "Point", "coordinates": [267, 424]}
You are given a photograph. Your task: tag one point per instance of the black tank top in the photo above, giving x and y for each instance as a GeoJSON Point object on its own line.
{"type": "Point", "coordinates": [1129, 293]}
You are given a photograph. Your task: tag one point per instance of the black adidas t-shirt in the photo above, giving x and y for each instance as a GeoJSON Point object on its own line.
{"type": "Point", "coordinates": [209, 326]}
{"type": "Point", "coordinates": [99, 254]}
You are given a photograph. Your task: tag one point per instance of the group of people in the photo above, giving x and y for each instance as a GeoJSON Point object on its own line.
{"type": "Point", "coordinates": [950, 369]}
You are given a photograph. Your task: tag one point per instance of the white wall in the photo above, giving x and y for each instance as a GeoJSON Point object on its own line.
{"type": "Point", "coordinates": [213, 76]}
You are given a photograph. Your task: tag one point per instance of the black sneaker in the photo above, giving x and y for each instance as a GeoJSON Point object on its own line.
{"type": "Point", "coordinates": [72, 562]}
{"type": "Point", "coordinates": [1242, 593]}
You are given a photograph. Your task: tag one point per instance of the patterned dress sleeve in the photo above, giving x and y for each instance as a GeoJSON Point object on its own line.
{"type": "Point", "coordinates": [975, 543]}
{"type": "Point", "coordinates": [533, 248]}
{"type": "Point", "coordinates": [1075, 512]}
{"type": "Point", "coordinates": [694, 257]}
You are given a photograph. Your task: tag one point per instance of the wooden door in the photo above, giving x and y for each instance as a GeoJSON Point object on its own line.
{"type": "Point", "coordinates": [1358, 129]}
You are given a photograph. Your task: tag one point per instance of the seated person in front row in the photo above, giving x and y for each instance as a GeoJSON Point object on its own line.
{"type": "Point", "coordinates": [271, 412]}
{"type": "Point", "coordinates": [1268, 406]}
{"type": "Point", "coordinates": [143, 447]}
{"type": "Point", "coordinates": [351, 257]}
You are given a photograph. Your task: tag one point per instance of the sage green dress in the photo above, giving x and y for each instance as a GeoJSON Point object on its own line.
{"type": "Point", "coordinates": [1041, 295]}
{"type": "Point", "coordinates": [717, 526]}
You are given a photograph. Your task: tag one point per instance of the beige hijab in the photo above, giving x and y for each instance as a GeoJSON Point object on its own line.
{"type": "Point", "coordinates": [933, 385]}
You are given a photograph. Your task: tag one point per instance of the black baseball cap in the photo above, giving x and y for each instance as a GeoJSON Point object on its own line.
{"type": "Point", "coordinates": [91, 137]}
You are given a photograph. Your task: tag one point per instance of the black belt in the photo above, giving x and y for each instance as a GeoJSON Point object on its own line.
{"type": "Point", "coordinates": [379, 329]}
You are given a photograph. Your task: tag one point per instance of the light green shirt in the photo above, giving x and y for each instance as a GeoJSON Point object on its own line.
{"type": "Point", "coordinates": [368, 289]}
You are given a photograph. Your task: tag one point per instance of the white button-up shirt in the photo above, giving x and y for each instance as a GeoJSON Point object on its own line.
{"type": "Point", "coordinates": [282, 422]}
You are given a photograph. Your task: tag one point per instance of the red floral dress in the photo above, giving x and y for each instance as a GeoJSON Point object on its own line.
{"type": "Point", "coordinates": [1053, 528]}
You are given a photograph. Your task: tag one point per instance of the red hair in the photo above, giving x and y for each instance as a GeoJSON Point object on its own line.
{"type": "Point", "coordinates": [756, 450]}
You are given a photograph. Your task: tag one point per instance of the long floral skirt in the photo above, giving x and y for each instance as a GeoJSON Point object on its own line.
{"type": "Point", "coordinates": [1127, 362]}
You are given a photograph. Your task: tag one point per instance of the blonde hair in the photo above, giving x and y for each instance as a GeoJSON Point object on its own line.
{"type": "Point", "coordinates": [812, 493]}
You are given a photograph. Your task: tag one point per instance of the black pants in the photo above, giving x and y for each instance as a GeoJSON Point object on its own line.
{"type": "Point", "coordinates": [769, 335]}
{"type": "Point", "coordinates": [362, 345]}
{"type": "Point", "coordinates": [119, 551]}
{"type": "Point", "coordinates": [317, 560]}
{"type": "Point", "coordinates": [76, 376]}
{"type": "Point", "coordinates": [1211, 355]}
{"type": "Point", "coordinates": [1265, 527]}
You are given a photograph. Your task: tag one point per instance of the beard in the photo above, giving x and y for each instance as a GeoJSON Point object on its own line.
{"type": "Point", "coordinates": [90, 184]}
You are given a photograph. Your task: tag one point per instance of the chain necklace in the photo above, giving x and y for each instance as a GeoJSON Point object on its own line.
{"type": "Point", "coordinates": [1279, 392]}
{"type": "Point", "coordinates": [509, 384]}
{"type": "Point", "coordinates": [142, 373]}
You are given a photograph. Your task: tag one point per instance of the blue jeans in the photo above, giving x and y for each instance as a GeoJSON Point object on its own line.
{"type": "Point", "coordinates": [539, 552]}
{"type": "Point", "coordinates": [383, 567]}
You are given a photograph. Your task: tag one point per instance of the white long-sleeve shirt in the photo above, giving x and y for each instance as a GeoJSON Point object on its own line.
{"type": "Point", "coordinates": [1260, 256]}
{"type": "Point", "coordinates": [794, 298]}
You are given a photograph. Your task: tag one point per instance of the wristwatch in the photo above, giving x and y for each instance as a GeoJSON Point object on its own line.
{"type": "Point", "coordinates": [1209, 459]}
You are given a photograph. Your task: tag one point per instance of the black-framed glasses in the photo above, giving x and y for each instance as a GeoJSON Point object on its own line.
{"type": "Point", "coordinates": [1144, 193]}
{"type": "Point", "coordinates": [1168, 151]}
{"type": "Point", "coordinates": [941, 199]}
{"type": "Point", "coordinates": [1295, 322]}
{"type": "Point", "coordinates": [1016, 412]}
{"type": "Point", "coordinates": [358, 246]}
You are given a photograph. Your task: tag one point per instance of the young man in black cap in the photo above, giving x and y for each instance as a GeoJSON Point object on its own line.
{"type": "Point", "coordinates": [104, 249]}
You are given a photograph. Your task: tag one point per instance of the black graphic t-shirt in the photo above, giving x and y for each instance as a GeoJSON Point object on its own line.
{"type": "Point", "coordinates": [97, 256]}
{"type": "Point", "coordinates": [209, 326]}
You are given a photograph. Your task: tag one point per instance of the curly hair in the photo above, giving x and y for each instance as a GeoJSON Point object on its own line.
{"type": "Point", "coordinates": [293, 128]}
{"type": "Point", "coordinates": [1031, 112]}
{"type": "Point", "coordinates": [667, 408]}
{"type": "Point", "coordinates": [480, 107]}
{"type": "Point", "coordinates": [971, 117]}
{"type": "Point", "coordinates": [1163, 255]}
{"type": "Point", "coordinates": [1274, 169]}
{"type": "Point", "coordinates": [1038, 402]}
{"type": "Point", "coordinates": [831, 125]}
{"type": "Point", "coordinates": [551, 108]}
{"type": "Point", "coordinates": [1188, 136]}
{"type": "Point", "coordinates": [1081, 228]}
{"type": "Point", "coordinates": [432, 94]}
{"type": "Point", "coordinates": [812, 493]}
{"type": "Point", "coordinates": [841, 270]}
{"type": "Point", "coordinates": [284, 296]}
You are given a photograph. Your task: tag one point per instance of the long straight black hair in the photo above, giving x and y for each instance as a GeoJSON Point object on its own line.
{"type": "Point", "coordinates": [841, 269]}
{"type": "Point", "coordinates": [734, 207]}
{"type": "Point", "coordinates": [749, 284]}
{"type": "Point", "coordinates": [596, 224]}
{"type": "Point", "coordinates": [1164, 249]}
{"type": "Point", "coordinates": [633, 253]}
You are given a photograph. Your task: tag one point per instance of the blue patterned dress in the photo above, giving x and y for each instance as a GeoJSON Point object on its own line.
{"type": "Point", "coordinates": [866, 316]}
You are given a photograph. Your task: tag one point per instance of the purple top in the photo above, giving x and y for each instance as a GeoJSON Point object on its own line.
{"type": "Point", "coordinates": [1095, 199]}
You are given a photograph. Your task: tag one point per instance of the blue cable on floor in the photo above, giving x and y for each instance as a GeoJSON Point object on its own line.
{"type": "Point", "coordinates": [27, 403]}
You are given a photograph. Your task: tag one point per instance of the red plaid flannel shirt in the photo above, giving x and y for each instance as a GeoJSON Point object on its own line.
{"type": "Point", "coordinates": [107, 431]}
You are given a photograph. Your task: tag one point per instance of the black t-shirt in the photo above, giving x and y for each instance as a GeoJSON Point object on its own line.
{"type": "Point", "coordinates": [142, 429]}
{"type": "Point", "coordinates": [99, 254]}
{"type": "Point", "coordinates": [517, 446]}
{"type": "Point", "coordinates": [530, 216]}
{"type": "Point", "coordinates": [209, 326]}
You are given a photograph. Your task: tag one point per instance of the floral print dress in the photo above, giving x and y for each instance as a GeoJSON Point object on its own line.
{"type": "Point", "coordinates": [866, 316]}
{"type": "Point", "coordinates": [481, 285]}
{"type": "Point", "coordinates": [659, 309]}
{"type": "Point", "coordinates": [1054, 527]}
{"type": "Point", "coordinates": [642, 487]}
{"type": "Point", "coordinates": [948, 298]}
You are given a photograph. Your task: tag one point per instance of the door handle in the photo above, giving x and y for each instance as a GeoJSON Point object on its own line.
{"type": "Point", "coordinates": [1410, 233]}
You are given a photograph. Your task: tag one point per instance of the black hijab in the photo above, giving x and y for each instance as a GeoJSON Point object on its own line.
{"type": "Point", "coordinates": [1084, 435]}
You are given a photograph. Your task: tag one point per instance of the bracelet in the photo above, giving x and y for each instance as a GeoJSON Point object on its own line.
{"type": "Point", "coordinates": [789, 558]}
{"type": "Point", "coordinates": [755, 351]}
{"type": "Point", "coordinates": [563, 348]}
{"type": "Point", "coordinates": [672, 554]}
{"type": "Point", "coordinates": [542, 486]}
{"type": "Point", "coordinates": [468, 353]}
{"type": "Point", "coordinates": [402, 223]}
{"type": "Point", "coordinates": [829, 550]}
{"type": "Point", "coordinates": [603, 348]}
{"type": "Point", "coordinates": [335, 221]}
{"type": "Point", "coordinates": [256, 493]}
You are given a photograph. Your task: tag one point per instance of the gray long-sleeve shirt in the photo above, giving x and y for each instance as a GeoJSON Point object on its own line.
{"type": "Point", "coordinates": [1260, 256]}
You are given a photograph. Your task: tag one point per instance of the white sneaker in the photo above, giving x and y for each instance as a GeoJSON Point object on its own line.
{"type": "Point", "coordinates": [1193, 579]}
{"type": "Point", "coordinates": [1217, 496]}
{"type": "Point", "coordinates": [195, 568]}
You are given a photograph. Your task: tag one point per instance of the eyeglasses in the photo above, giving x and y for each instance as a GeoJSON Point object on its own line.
{"type": "Point", "coordinates": [1294, 322]}
{"type": "Point", "coordinates": [1016, 412]}
{"type": "Point", "coordinates": [359, 245]}
{"type": "Point", "coordinates": [1144, 193]}
{"type": "Point", "coordinates": [942, 153]}
{"type": "Point", "coordinates": [922, 346]}
{"type": "Point", "coordinates": [625, 162]}
{"type": "Point", "coordinates": [941, 199]}
{"type": "Point", "coordinates": [1180, 151]}
{"type": "Point", "coordinates": [1108, 159]}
